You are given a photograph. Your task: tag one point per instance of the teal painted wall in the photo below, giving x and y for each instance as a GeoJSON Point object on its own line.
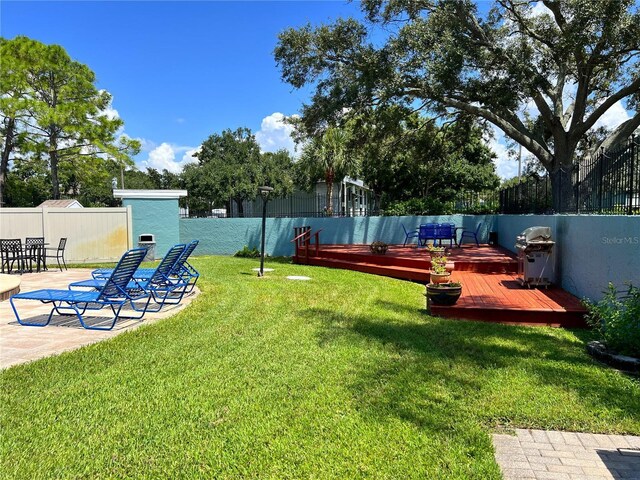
{"type": "Point", "coordinates": [591, 250]}
{"type": "Point", "coordinates": [160, 217]}
{"type": "Point", "coordinates": [225, 236]}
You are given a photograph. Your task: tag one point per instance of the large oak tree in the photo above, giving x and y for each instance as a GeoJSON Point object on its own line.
{"type": "Point", "coordinates": [231, 167]}
{"type": "Point", "coordinates": [563, 63]}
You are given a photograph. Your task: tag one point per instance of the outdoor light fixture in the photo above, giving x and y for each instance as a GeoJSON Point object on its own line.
{"type": "Point", "coordinates": [264, 193]}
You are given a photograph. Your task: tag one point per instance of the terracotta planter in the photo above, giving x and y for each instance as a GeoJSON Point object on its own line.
{"type": "Point", "coordinates": [439, 295]}
{"type": "Point", "coordinates": [440, 277]}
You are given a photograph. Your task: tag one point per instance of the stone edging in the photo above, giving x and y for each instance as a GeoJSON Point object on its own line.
{"type": "Point", "coordinates": [599, 351]}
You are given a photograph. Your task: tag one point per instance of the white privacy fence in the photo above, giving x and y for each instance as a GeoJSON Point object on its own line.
{"type": "Point", "coordinates": [93, 234]}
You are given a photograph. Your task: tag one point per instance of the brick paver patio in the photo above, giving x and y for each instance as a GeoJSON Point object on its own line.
{"type": "Point", "coordinates": [19, 344]}
{"type": "Point", "coordinates": [539, 454]}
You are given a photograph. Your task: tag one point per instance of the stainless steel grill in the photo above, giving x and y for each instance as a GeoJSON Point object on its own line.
{"type": "Point", "coordinates": [535, 257]}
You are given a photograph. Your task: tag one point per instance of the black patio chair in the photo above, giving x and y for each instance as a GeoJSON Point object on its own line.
{"type": "Point", "coordinates": [34, 252]}
{"type": "Point", "coordinates": [10, 253]}
{"type": "Point", "coordinates": [58, 253]}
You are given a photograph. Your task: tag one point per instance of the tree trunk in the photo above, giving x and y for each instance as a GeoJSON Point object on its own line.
{"type": "Point", "coordinates": [6, 152]}
{"type": "Point", "coordinates": [562, 189]}
{"type": "Point", "coordinates": [55, 183]}
{"type": "Point", "coordinates": [53, 163]}
{"type": "Point", "coordinates": [329, 177]}
{"type": "Point", "coordinates": [240, 207]}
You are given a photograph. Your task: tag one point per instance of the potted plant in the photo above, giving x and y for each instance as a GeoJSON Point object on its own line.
{"type": "Point", "coordinates": [379, 248]}
{"type": "Point", "coordinates": [438, 253]}
{"type": "Point", "coordinates": [446, 293]}
{"type": "Point", "coordinates": [439, 272]}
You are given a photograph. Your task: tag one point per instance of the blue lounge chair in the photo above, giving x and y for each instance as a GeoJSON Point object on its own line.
{"type": "Point", "coordinates": [181, 269]}
{"type": "Point", "coordinates": [185, 270]}
{"type": "Point", "coordinates": [161, 286]}
{"type": "Point", "coordinates": [471, 234]}
{"type": "Point", "coordinates": [409, 234]}
{"type": "Point", "coordinates": [113, 293]}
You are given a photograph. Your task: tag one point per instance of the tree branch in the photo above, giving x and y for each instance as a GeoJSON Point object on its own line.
{"type": "Point", "coordinates": [622, 132]}
{"type": "Point", "coordinates": [512, 127]}
{"type": "Point", "coordinates": [582, 128]}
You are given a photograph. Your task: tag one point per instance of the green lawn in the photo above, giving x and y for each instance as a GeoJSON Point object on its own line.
{"type": "Point", "coordinates": [343, 376]}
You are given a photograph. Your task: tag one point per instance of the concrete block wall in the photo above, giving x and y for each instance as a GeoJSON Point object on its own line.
{"type": "Point", "coordinates": [158, 216]}
{"type": "Point", "coordinates": [219, 236]}
{"type": "Point", "coordinates": [591, 250]}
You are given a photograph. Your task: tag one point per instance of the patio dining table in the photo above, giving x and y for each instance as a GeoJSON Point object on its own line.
{"type": "Point", "coordinates": [13, 251]}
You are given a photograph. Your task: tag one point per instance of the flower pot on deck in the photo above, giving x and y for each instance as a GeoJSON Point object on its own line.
{"type": "Point", "coordinates": [440, 277]}
{"type": "Point", "coordinates": [378, 248]}
{"type": "Point", "coordinates": [443, 294]}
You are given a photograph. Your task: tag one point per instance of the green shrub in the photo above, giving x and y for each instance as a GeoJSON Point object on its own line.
{"type": "Point", "coordinates": [617, 319]}
{"type": "Point", "coordinates": [418, 206]}
{"type": "Point", "coordinates": [247, 252]}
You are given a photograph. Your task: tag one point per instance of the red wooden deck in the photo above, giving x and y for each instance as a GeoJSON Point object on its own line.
{"type": "Point", "coordinates": [498, 297]}
{"type": "Point", "coordinates": [490, 290]}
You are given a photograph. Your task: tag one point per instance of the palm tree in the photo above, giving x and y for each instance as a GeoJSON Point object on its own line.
{"type": "Point", "coordinates": [329, 154]}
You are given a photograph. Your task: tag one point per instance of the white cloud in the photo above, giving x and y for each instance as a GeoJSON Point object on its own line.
{"type": "Point", "coordinates": [540, 9]}
{"type": "Point", "coordinates": [110, 112]}
{"type": "Point", "coordinates": [506, 166]}
{"type": "Point", "coordinates": [164, 157]}
{"type": "Point", "coordinates": [613, 117]}
{"type": "Point", "coordinates": [275, 134]}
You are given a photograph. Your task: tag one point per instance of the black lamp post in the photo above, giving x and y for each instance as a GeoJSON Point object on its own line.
{"type": "Point", "coordinates": [264, 193]}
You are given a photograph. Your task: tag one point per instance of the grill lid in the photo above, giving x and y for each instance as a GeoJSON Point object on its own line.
{"type": "Point", "coordinates": [534, 237]}
{"type": "Point", "coordinates": [535, 234]}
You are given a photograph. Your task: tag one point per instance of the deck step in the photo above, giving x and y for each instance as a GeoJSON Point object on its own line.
{"type": "Point", "coordinates": [413, 260]}
{"type": "Point", "coordinates": [521, 316]}
{"type": "Point", "coordinates": [500, 298]}
{"type": "Point", "coordinates": [403, 273]}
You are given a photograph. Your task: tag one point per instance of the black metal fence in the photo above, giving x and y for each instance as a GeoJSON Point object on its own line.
{"type": "Point", "coordinates": [295, 205]}
{"type": "Point", "coordinates": [532, 195]}
{"type": "Point", "coordinates": [609, 182]}
{"type": "Point", "coordinates": [476, 203]}
{"type": "Point", "coordinates": [606, 183]}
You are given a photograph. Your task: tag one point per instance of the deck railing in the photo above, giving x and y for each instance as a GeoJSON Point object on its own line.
{"type": "Point", "coordinates": [302, 237]}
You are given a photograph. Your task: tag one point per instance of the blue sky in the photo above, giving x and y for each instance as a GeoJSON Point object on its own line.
{"type": "Point", "coordinates": [180, 71]}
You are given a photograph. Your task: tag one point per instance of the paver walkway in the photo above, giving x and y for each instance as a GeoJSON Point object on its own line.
{"type": "Point", "coordinates": [540, 454]}
{"type": "Point", "coordinates": [20, 344]}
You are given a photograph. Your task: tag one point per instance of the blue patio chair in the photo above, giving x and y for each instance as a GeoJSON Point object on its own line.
{"type": "Point", "coordinates": [409, 234]}
{"type": "Point", "coordinates": [471, 234]}
{"type": "Point", "coordinates": [427, 232]}
{"type": "Point", "coordinates": [446, 231]}
{"type": "Point", "coordinates": [161, 286]}
{"type": "Point", "coordinates": [181, 269]}
{"type": "Point", "coordinates": [113, 294]}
